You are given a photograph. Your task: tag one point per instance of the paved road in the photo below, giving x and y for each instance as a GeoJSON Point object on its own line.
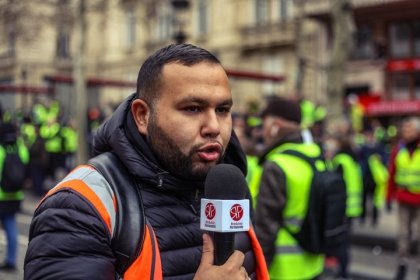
{"type": "Point", "coordinates": [373, 255]}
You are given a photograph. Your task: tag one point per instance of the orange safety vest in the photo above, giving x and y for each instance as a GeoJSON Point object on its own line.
{"type": "Point", "coordinates": [148, 263]}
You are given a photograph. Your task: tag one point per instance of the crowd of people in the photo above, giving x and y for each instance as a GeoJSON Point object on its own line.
{"type": "Point", "coordinates": [166, 137]}
{"type": "Point", "coordinates": [378, 163]}
{"type": "Point", "coordinates": [46, 142]}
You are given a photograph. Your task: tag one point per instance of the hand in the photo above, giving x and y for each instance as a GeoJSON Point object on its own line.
{"type": "Point", "coordinates": [231, 270]}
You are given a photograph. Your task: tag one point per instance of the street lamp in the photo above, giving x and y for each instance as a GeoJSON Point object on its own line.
{"type": "Point", "coordinates": [180, 7]}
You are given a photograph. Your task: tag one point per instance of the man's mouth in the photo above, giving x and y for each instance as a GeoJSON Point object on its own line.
{"type": "Point", "coordinates": [210, 152]}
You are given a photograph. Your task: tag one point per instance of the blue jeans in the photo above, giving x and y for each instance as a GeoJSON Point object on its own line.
{"type": "Point", "coordinates": [10, 226]}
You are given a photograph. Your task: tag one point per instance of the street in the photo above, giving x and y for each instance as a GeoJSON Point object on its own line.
{"type": "Point", "coordinates": [372, 254]}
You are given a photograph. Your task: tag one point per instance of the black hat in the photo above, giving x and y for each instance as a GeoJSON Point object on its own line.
{"type": "Point", "coordinates": [284, 108]}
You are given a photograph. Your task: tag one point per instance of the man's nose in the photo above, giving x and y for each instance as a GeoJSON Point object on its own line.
{"type": "Point", "coordinates": [211, 125]}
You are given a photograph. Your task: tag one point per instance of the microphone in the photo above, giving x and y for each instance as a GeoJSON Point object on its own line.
{"type": "Point", "coordinates": [224, 209]}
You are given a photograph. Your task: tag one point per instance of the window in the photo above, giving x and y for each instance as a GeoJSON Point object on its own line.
{"type": "Point", "coordinates": [202, 17]}
{"type": "Point", "coordinates": [261, 12]}
{"type": "Point", "coordinates": [400, 40]}
{"type": "Point", "coordinates": [400, 86]}
{"type": "Point", "coordinates": [130, 28]}
{"type": "Point", "coordinates": [363, 47]}
{"type": "Point", "coordinates": [165, 21]}
{"type": "Point", "coordinates": [272, 64]}
{"type": "Point", "coordinates": [7, 41]}
{"type": "Point", "coordinates": [63, 44]}
{"type": "Point", "coordinates": [7, 99]}
{"type": "Point", "coordinates": [286, 9]}
{"type": "Point", "coordinates": [404, 39]}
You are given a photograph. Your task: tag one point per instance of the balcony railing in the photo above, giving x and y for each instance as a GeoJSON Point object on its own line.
{"type": "Point", "coordinates": [268, 35]}
{"type": "Point", "coordinates": [319, 7]}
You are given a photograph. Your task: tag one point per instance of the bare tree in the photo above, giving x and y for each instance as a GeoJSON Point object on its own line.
{"type": "Point", "coordinates": [300, 63]}
{"type": "Point", "coordinates": [342, 21]}
{"type": "Point", "coordinates": [79, 77]}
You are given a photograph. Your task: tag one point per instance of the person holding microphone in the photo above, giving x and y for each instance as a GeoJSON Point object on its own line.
{"type": "Point", "coordinates": [166, 136]}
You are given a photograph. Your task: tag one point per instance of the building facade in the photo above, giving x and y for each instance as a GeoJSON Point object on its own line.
{"type": "Point", "coordinates": [384, 67]}
{"type": "Point", "coordinates": [267, 46]}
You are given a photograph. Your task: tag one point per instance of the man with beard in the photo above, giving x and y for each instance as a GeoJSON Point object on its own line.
{"type": "Point", "coordinates": [167, 135]}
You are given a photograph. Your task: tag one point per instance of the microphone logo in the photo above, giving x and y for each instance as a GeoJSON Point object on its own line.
{"type": "Point", "coordinates": [236, 212]}
{"type": "Point", "coordinates": [210, 211]}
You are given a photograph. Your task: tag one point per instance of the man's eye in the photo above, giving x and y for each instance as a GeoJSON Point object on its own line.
{"type": "Point", "coordinates": [192, 109]}
{"type": "Point", "coordinates": [223, 110]}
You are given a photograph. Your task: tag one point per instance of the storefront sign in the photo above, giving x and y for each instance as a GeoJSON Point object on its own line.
{"type": "Point", "coordinates": [396, 107]}
{"type": "Point", "coordinates": [403, 65]}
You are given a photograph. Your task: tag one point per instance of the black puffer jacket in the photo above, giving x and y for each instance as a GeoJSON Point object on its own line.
{"type": "Point", "coordinates": [78, 242]}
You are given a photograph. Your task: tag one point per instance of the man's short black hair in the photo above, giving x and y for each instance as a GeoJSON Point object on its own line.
{"type": "Point", "coordinates": [149, 78]}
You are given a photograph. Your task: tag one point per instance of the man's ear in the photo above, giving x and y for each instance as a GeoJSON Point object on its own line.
{"type": "Point", "coordinates": [140, 111]}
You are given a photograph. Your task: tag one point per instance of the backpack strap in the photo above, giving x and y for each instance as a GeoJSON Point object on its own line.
{"type": "Point", "coordinates": [128, 237]}
{"type": "Point", "coordinates": [310, 160]}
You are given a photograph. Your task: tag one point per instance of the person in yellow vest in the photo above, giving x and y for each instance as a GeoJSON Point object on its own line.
{"type": "Point", "coordinates": [28, 131]}
{"type": "Point", "coordinates": [380, 177]}
{"type": "Point", "coordinates": [39, 112]}
{"type": "Point", "coordinates": [39, 164]}
{"type": "Point", "coordinates": [404, 187]}
{"type": "Point", "coordinates": [372, 158]}
{"type": "Point", "coordinates": [70, 144]}
{"type": "Point", "coordinates": [283, 193]}
{"type": "Point", "coordinates": [344, 160]}
{"type": "Point", "coordinates": [51, 133]}
{"type": "Point", "coordinates": [10, 199]}
{"type": "Point", "coordinates": [243, 129]}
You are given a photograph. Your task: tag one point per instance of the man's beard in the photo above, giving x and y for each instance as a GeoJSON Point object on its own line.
{"type": "Point", "coordinates": [170, 156]}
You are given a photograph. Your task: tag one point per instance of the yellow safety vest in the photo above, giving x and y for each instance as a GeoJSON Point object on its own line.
{"type": "Point", "coordinates": [291, 261]}
{"type": "Point", "coordinates": [253, 177]}
{"type": "Point", "coordinates": [407, 167]}
{"type": "Point", "coordinates": [354, 184]}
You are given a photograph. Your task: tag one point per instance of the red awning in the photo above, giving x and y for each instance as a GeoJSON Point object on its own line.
{"type": "Point", "coordinates": [392, 108]}
{"type": "Point", "coordinates": [91, 81]}
{"type": "Point", "coordinates": [24, 89]}
{"type": "Point", "coordinates": [407, 65]}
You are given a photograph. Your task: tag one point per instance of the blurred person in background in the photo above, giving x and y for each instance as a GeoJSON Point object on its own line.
{"type": "Point", "coordinates": [340, 153]}
{"type": "Point", "coordinates": [404, 187]}
{"type": "Point", "coordinates": [279, 203]}
{"type": "Point", "coordinates": [372, 159]}
{"type": "Point", "coordinates": [38, 164]}
{"type": "Point", "coordinates": [245, 132]}
{"type": "Point", "coordinates": [69, 137]}
{"type": "Point", "coordinates": [10, 200]}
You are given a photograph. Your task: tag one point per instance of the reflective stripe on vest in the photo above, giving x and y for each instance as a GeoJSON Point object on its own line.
{"type": "Point", "coordinates": [86, 181]}
{"type": "Point", "coordinates": [354, 184]}
{"type": "Point", "coordinates": [290, 261]}
{"type": "Point", "coordinates": [408, 170]}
